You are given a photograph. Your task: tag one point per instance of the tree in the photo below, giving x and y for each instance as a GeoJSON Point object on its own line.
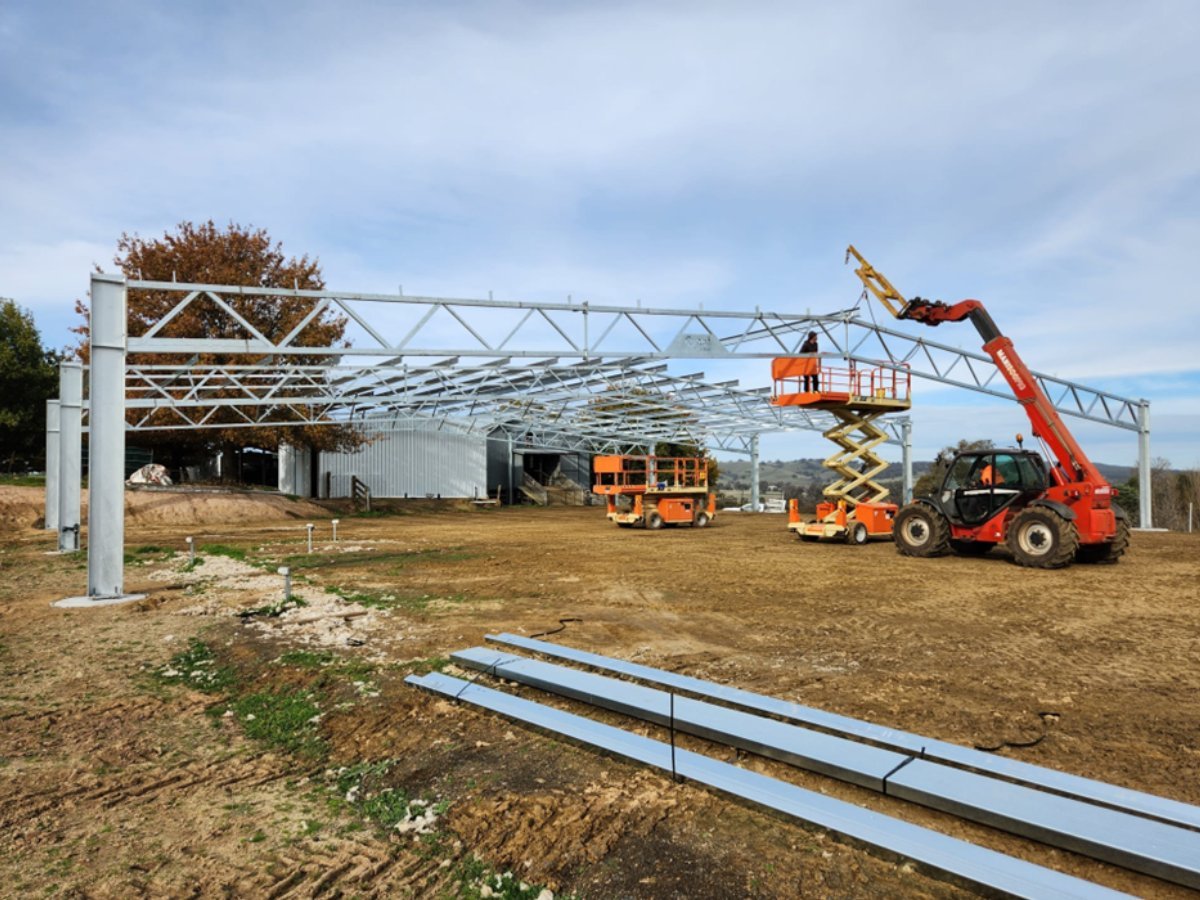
{"type": "Point", "coordinates": [929, 483]}
{"type": "Point", "coordinates": [28, 378]}
{"type": "Point", "coordinates": [234, 255]}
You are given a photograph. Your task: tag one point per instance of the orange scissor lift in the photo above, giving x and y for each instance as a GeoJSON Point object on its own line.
{"type": "Point", "coordinates": [663, 490]}
{"type": "Point", "coordinates": [854, 509]}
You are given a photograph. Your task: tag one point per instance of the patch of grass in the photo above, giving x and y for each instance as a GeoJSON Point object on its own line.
{"type": "Point", "coordinates": [474, 875]}
{"type": "Point", "coordinates": [372, 600]}
{"type": "Point", "coordinates": [331, 665]}
{"type": "Point", "coordinates": [274, 610]}
{"type": "Point", "coordinates": [196, 667]}
{"type": "Point", "coordinates": [285, 719]}
{"type": "Point", "coordinates": [224, 550]}
{"type": "Point", "coordinates": [190, 565]}
{"type": "Point", "coordinates": [23, 480]}
{"type": "Point", "coordinates": [363, 598]}
{"type": "Point", "coordinates": [147, 549]}
{"type": "Point", "coordinates": [362, 787]}
{"type": "Point", "coordinates": [306, 659]}
{"type": "Point", "coordinates": [432, 664]}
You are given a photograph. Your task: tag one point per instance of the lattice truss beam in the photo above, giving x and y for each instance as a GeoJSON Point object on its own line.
{"type": "Point", "coordinates": [603, 405]}
{"type": "Point", "coordinates": [395, 328]}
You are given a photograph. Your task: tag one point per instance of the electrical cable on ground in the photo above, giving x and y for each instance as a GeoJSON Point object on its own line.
{"type": "Point", "coordinates": [1044, 716]}
{"type": "Point", "coordinates": [562, 626]}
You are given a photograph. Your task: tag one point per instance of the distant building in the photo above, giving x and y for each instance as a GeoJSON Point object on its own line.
{"type": "Point", "coordinates": [439, 459]}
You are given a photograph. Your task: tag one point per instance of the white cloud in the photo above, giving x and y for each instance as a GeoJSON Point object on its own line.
{"type": "Point", "coordinates": [1041, 157]}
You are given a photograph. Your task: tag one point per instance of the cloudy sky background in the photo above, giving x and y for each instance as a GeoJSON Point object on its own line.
{"type": "Point", "coordinates": [1041, 157]}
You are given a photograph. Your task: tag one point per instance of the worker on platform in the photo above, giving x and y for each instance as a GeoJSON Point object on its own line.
{"type": "Point", "coordinates": [812, 381]}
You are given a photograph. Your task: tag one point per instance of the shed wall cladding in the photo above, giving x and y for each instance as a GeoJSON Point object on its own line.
{"type": "Point", "coordinates": [412, 463]}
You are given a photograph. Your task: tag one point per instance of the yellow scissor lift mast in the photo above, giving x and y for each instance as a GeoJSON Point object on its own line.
{"type": "Point", "coordinates": [855, 508]}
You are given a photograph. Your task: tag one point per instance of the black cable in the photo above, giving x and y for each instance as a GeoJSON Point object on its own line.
{"type": "Point", "coordinates": [1045, 717]}
{"type": "Point", "coordinates": [562, 626]}
{"type": "Point", "coordinates": [490, 670]}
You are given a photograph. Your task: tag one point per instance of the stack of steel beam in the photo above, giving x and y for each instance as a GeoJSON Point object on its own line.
{"type": "Point", "coordinates": [1139, 831]}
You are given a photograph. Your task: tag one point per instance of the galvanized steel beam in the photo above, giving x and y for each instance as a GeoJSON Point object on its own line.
{"type": "Point", "coordinates": [976, 866]}
{"type": "Point", "coordinates": [1153, 848]}
{"type": "Point", "coordinates": [70, 453]}
{"type": "Point", "coordinates": [106, 439]}
{"type": "Point", "coordinates": [51, 519]}
{"type": "Point", "coordinates": [1087, 789]}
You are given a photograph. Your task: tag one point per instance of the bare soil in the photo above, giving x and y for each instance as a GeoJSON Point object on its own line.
{"type": "Point", "coordinates": [116, 783]}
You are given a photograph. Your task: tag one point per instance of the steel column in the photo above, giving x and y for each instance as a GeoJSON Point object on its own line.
{"type": "Point", "coordinates": [51, 521]}
{"type": "Point", "coordinates": [754, 501]}
{"type": "Point", "coordinates": [70, 451]}
{"type": "Point", "coordinates": [106, 440]}
{"type": "Point", "coordinates": [510, 498]}
{"type": "Point", "coordinates": [1145, 481]}
{"type": "Point", "coordinates": [906, 445]}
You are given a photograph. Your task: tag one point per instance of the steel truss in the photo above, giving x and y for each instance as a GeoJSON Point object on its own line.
{"type": "Point", "coordinates": [589, 373]}
{"type": "Point", "coordinates": [635, 402]}
{"type": "Point", "coordinates": [466, 328]}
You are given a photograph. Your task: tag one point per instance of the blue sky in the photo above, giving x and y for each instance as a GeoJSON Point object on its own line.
{"type": "Point", "coordinates": [1042, 157]}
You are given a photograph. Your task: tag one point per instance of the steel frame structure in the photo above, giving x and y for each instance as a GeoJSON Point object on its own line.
{"type": "Point", "coordinates": [613, 403]}
{"type": "Point", "coordinates": [614, 393]}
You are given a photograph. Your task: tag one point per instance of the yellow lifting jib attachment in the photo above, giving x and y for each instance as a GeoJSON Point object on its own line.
{"type": "Point", "coordinates": [877, 284]}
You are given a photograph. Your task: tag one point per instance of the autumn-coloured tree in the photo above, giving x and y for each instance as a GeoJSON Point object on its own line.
{"type": "Point", "coordinates": [236, 255]}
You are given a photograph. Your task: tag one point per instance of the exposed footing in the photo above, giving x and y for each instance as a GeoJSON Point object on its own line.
{"type": "Point", "coordinates": [88, 602]}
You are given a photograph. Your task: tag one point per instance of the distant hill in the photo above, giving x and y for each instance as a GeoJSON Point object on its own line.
{"type": "Point", "coordinates": [735, 474]}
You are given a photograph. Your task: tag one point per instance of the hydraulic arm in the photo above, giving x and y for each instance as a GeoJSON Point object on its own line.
{"type": "Point", "coordinates": [1073, 464]}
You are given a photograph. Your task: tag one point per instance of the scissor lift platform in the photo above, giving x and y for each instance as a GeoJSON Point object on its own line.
{"type": "Point", "coordinates": [854, 509]}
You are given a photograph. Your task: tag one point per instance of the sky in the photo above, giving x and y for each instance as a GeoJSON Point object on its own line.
{"type": "Point", "coordinates": [1042, 157]}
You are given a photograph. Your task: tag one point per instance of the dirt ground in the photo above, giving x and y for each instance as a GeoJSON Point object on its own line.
{"type": "Point", "coordinates": [135, 761]}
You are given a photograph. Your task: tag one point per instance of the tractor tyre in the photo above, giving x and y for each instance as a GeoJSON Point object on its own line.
{"type": "Point", "coordinates": [1040, 538]}
{"type": "Point", "coordinates": [971, 548]}
{"type": "Point", "coordinates": [920, 530]}
{"type": "Point", "coordinates": [702, 520]}
{"type": "Point", "coordinates": [1109, 553]}
{"type": "Point", "coordinates": [654, 521]}
{"type": "Point", "coordinates": [857, 533]}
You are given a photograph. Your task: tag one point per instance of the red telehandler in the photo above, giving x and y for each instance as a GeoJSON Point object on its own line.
{"type": "Point", "coordinates": [1047, 516]}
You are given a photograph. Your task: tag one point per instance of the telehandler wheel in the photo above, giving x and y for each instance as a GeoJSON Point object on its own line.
{"type": "Point", "coordinates": [1042, 539]}
{"type": "Point", "coordinates": [920, 530]}
{"type": "Point", "coordinates": [1106, 554]}
{"type": "Point", "coordinates": [654, 521]}
{"type": "Point", "coordinates": [701, 520]}
{"type": "Point", "coordinates": [857, 533]}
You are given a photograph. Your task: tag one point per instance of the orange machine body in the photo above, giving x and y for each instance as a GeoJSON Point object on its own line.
{"type": "Point", "coordinates": [661, 490]}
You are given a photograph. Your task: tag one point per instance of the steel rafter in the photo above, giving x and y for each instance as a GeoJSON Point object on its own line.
{"type": "Point", "coordinates": [634, 401]}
